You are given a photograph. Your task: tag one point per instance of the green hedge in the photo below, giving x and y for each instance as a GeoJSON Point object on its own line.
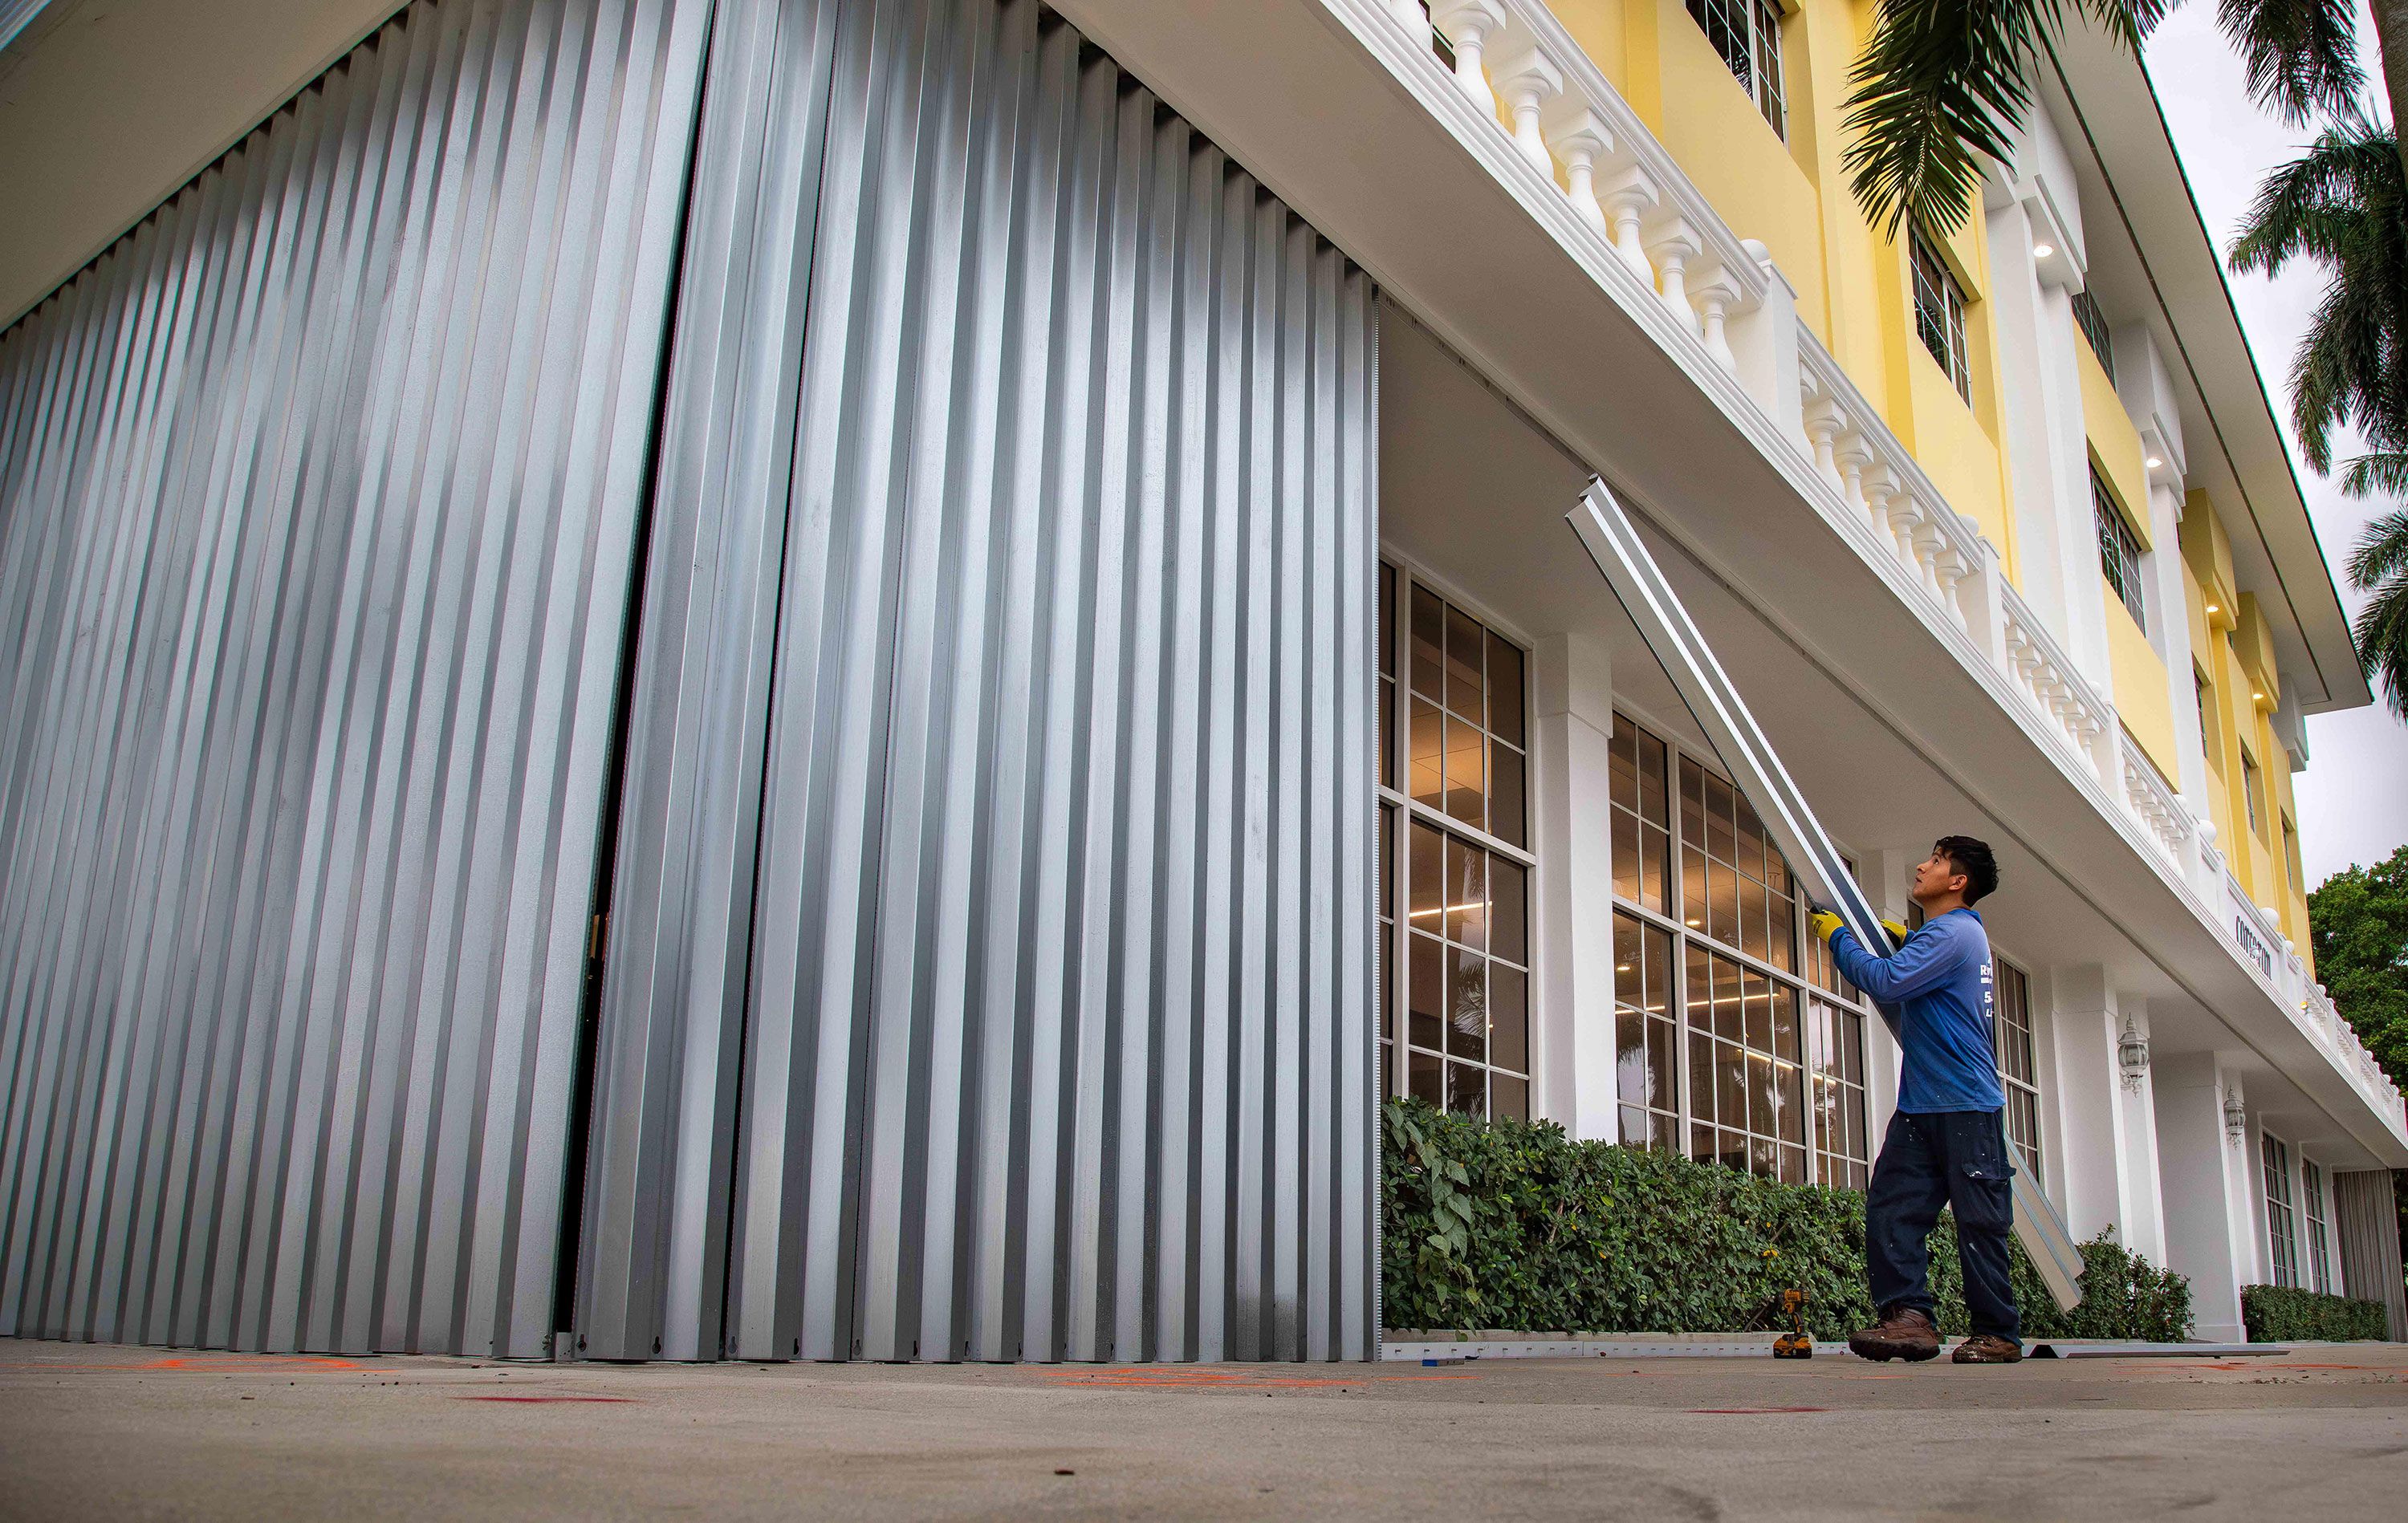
{"type": "Point", "coordinates": [2276, 1314]}
{"type": "Point", "coordinates": [1514, 1225]}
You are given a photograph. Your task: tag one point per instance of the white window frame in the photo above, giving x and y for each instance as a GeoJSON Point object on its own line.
{"type": "Point", "coordinates": [1678, 752]}
{"type": "Point", "coordinates": [1397, 894]}
{"type": "Point", "coordinates": [1954, 353]}
{"type": "Point", "coordinates": [2281, 1212]}
{"type": "Point", "coordinates": [2315, 1221]}
{"type": "Point", "coordinates": [1755, 25]}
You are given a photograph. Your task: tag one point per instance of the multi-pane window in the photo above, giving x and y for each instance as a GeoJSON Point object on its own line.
{"type": "Point", "coordinates": [2249, 781]}
{"type": "Point", "coordinates": [2280, 1237]}
{"type": "Point", "coordinates": [2119, 548]}
{"type": "Point", "coordinates": [1940, 312]}
{"type": "Point", "coordinates": [1647, 1033]}
{"type": "Point", "coordinates": [1455, 878]}
{"type": "Point", "coordinates": [2018, 1071]}
{"type": "Point", "coordinates": [2093, 323]}
{"type": "Point", "coordinates": [1747, 33]}
{"type": "Point", "coordinates": [2203, 695]}
{"type": "Point", "coordinates": [1726, 1048]}
{"type": "Point", "coordinates": [2312, 1200]}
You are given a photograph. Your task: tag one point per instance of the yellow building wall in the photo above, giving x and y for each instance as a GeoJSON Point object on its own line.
{"type": "Point", "coordinates": [1711, 126]}
{"type": "Point", "coordinates": [2115, 444]}
{"type": "Point", "coordinates": [2143, 697]}
{"type": "Point", "coordinates": [1853, 285]}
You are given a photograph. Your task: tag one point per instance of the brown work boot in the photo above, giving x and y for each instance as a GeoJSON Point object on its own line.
{"type": "Point", "coordinates": [1988, 1348]}
{"type": "Point", "coordinates": [1905, 1333]}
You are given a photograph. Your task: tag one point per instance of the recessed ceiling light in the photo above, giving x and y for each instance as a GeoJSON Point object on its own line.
{"type": "Point", "coordinates": [2214, 610]}
{"type": "Point", "coordinates": [2152, 463]}
{"type": "Point", "coordinates": [2042, 251]}
{"type": "Point", "coordinates": [1622, 967]}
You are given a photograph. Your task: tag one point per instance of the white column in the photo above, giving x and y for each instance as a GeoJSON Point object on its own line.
{"type": "Point", "coordinates": [2170, 631]}
{"type": "Point", "coordinates": [2209, 1228]}
{"type": "Point", "coordinates": [1572, 1052]}
{"type": "Point", "coordinates": [2109, 1156]}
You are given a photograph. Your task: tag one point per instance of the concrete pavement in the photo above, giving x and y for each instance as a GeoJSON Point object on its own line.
{"type": "Point", "coordinates": [93, 1430]}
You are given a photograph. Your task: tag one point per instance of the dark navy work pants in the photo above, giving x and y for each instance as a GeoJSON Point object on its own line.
{"type": "Point", "coordinates": [1954, 1159]}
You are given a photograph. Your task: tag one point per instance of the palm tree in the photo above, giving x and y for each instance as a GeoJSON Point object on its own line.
{"type": "Point", "coordinates": [1941, 78]}
{"type": "Point", "coordinates": [2344, 203]}
{"type": "Point", "coordinates": [2380, 565]}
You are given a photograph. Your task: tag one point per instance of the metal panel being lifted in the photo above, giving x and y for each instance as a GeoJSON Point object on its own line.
{"type": "Point", "coordinates": [1613, 543]}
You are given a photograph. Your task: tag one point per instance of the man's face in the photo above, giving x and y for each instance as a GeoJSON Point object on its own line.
{"type": "Point", "coordinates": [1935, 877]}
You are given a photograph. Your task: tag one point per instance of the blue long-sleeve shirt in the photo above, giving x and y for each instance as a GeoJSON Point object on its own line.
{"type": "Point", "coordinates": [1941, 982]}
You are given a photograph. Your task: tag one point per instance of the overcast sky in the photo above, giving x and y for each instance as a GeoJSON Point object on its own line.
{"type": "Point", "coordinates": [2353, 799]}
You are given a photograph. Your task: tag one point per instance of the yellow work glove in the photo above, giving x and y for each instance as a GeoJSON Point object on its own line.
{"type": "Point", "coordinates": [1825, 923]}
{"type": "Point", "coordinates": [1897, 934]}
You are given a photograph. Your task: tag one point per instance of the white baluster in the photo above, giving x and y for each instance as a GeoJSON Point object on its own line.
{"type": "Point", "coordinates": [1580, 138]}
{"type": "Point", "coordinates": [1526, 82]}
{"type": "Point", "coordinates": [1905, 517]}
{"type": "Point", "coordinates": [1467, 26]}
{"type": "Point", "coordinates": [1628, 197]}
{"type": "Point", "coordinates": [1825, 421]}
{"type": "Point", "coordinates": [1673, 244]}
{"type": "Point", "coordinates": [1716, 293]}
{"type": "Point", "coordinates": [1881, 490]}
{"type": "Point", "coordinates": [1929, 540]}
{"type": "Point", "coordinates": [1953, 572]}
{"type": "Point", "coordinates": [1853, 456]}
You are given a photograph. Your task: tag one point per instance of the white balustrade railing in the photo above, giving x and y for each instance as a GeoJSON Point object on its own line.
{"type": "Point", "coordinates": [2049, 678]}
{"type": "Point", "coordinates": [1855, 453]}
{"type": "Point", "coordinates": [1561, 125]}
{"type": "Point", "coordinates": [2154, 800]}
{"type": "Point", "coordinates": [1516, 64]}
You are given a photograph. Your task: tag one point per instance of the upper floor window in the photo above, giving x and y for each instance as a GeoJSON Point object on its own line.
{"type": "Point", "coordinates": [2093, 323]}
{"type": "Point", "coordinates": [2282, 1242]}
{"type": "Point", "coordinates": [1454, 881]}
{"type": "Point", "coordinates": [2249, 783]}
{"type": "Point", "coordinates": [1940, 312]}
{"type": "Point", "coordinates": [2119, 548]}
{"type": "Point", "coordinates": [1747, 33]}
{"type": "Point", "coordinates": [2018, 1067]}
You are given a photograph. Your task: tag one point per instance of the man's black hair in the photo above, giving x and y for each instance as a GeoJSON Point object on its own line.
{"type": "Point", "coordinates": [1971, 858]}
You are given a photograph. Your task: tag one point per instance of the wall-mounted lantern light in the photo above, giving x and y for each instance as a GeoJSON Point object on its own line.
{"type": "Point", "coordinates": [2133, 1056]}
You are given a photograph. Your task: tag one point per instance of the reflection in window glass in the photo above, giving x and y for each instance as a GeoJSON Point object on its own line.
{"type": "Point", "coordinates": [1464, 943]}
{"type": "Point", "coordinates": [1720, 1053]}
{"type": "Point", "coordinates": [2018, 1070]}
{"type": "Point", "coordinates": [2312, 1201]}
{"type": "Point", "coordinates": [2280, 1241]}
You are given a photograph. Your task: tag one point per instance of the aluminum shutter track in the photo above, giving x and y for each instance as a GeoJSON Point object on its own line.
{"type": "Point", "coordinates": [318, 495]}
{"type": "Point", "coordinates": [1054, 934]}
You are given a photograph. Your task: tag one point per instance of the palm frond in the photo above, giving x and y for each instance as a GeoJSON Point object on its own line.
{"type": "Point", "coordinates": [2342, 204]}
{"type": "Point", "coordinates": [2302, 55]}
{"type": "Point", "coordinates": [2382, 551]}
{"type": "Point", "coordinates": [1941, 80]}
{"type": "Point", "coordinates": [2382, 635]}
{"type": "Point", "coordinates": [2383, 471]}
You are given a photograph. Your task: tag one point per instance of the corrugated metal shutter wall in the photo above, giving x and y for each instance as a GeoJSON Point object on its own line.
{"type": "Point", "coordinates": [991, 973]}
{"type": "Point", "coordinates": [1051, 563]}
{"type": "Point", "coordinates": [318, 499]}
